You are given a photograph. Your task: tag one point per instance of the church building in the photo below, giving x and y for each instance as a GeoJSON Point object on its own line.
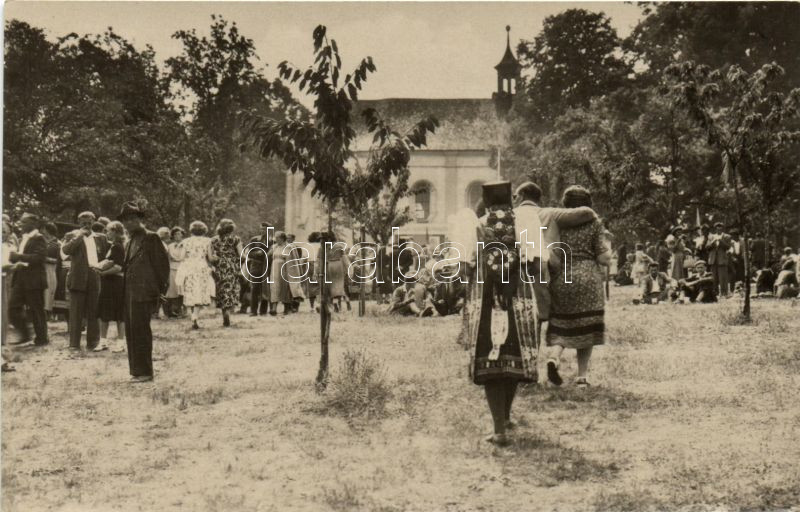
{"type": "Point", "coordinates": [447, 174]}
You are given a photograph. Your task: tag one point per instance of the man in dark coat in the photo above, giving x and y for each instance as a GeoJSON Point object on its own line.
{"type": "Point", "coordinates": [146, 270]}
{"type": "Point", "coordinates": [718, 258]}
{"type": "Point", "coordinates": [29, 282]}
{"type": "Point", "coordinates": [257, 266]}
{"type": "Point", "coordinates": [85, 250]}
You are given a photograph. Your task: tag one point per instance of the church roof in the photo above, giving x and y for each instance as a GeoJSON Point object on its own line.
{"type": "Point", "coordinates": [464, 124]}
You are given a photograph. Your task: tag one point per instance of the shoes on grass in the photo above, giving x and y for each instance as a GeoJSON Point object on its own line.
{"type": "Point", "coordinates": [552, 373]}
{"type": "Point", "coordinates": [498, 439]}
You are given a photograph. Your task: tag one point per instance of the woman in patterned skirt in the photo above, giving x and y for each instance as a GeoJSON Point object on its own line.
{"type": "Point", "coordinates": [578, 309]}
{"type": "Point", "coordinates": [227, 250]}
{"type": "Point", "coordinates": [194, 279]}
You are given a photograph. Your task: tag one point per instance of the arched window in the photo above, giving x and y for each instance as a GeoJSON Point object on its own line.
{"type": "Point", "coordinates": [474, 194]}
{"type": "Point", "coordinates": [422, 191]}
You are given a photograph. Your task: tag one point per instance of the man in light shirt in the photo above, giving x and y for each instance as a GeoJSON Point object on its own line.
{"type": "Point", "coordinates": [546, 258]}
{"type": "Point", "coordinates": [85, 251]}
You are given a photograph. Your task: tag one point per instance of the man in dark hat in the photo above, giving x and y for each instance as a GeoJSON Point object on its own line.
{"type": "Point", "coordinates": [718, 258]}
{"type": "Point", "coordinates": [85, 251]}
{"type": "Point", "coordinates": [29, 282]}
{"type": "Point", "coordinates": [146, 270]}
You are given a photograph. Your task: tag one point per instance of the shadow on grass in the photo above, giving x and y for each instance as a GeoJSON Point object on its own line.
{"type": "Point", "coordinates": [596, 397]}
{"type": "Point", "coordinates": [556, 463]}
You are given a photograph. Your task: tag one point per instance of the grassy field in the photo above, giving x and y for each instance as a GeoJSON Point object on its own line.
{"type": "Point", "coordinates": [688, 411]}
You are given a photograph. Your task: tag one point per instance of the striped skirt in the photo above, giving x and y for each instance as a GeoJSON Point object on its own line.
{"type": "Point", "coordinates": [578, 309]}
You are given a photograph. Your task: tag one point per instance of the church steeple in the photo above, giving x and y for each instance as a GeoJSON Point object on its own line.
{"type": "Point", "coordinates": [508, 73]}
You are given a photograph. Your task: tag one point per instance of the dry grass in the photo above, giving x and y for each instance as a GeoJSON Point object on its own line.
{"type": "Point", "coordinates": [690, 411]}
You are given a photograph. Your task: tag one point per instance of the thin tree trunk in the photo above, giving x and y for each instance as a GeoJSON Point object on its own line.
{"type": "Point", "coordinates": [324, 312]}
{"type": "Point", "coordinates": [743, 229]}
{"type": "Point", "coordinates": [362, 305]}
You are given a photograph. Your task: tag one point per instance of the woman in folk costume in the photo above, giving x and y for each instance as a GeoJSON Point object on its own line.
{"type": "Point", "coordinates": [577, 319]}
{"type": "Point", "coordinates": [500, 316]}
{"type": "Point", "coordinates": [194, 277]}
{"type": "Point", "coordinates": [227, 250]}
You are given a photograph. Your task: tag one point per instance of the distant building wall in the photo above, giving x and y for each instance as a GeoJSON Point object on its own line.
{"type": "Point", "coordinates": [453, 176]}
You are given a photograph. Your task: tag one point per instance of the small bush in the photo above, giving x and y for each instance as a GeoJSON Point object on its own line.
{"type": "Point", "coordinates": [359, 388]}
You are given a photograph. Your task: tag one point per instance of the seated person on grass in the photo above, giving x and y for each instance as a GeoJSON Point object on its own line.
{"type": "Point", "coordinates": [786, 285]}
{"type": "Point", "coordinates": [655, 285]}
{"type": "Point", "coordinates": [448, 297]}
{"type": "Point", "coordinates": [623, 277]}
{"type": "Point", "coordinates": [411, 299]}
{"type": "Point", "coordinates": [700, 286]}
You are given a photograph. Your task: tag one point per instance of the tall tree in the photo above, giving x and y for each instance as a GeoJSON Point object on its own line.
{"type": "Point", "coordinates": [749, 123]}
{"type": "Point", "coordinates": [575, 57]}
{"type": "Point", "coordinates": [213, 79]}
{"type": "Point", "coordinates": [82, 124]}
{"type": "Point", "coordinates": [718, 34]}
{"type": "Point", "coordinates": [320, 148]}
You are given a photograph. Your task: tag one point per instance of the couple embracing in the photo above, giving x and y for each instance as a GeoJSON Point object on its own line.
{"type": "Point", "coordinates": [560, 300]}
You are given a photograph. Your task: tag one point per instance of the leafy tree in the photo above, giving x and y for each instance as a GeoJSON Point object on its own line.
{"type": "Point", "coordinates": [381, 213]}
{"type": "Point", "coordinates": [320, 148]}
{"type": "Point", "coordinates": [748, 34]}
{"type": "Point", "coordinates": [575, 57]}
{"type": "Point", "coordinates": [673, 147]}
{"type": "Point", "coordinates": [85, 121]}
{"type": "Point", "coordinates": [213, 79]}
{"type": "Point", "coordinates": [748, 122]}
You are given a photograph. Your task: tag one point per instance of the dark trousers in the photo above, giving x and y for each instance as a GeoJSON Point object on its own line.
{"type": "Point", "coordinates": [34, 301]}
{"type": "Point", "coordinates": [257, 303]}
{"type": "Point", "coordinates": [83, 305]}
{"type": "Point", "coordinates": [721, 280]}
{"type": "Point", "coordinates": [138, 336]}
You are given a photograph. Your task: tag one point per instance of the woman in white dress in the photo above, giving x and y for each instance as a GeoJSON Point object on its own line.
{"type": "Point", "coordinates": [194, 279]}
{"type": "Point", "coordinates": [175, 252]}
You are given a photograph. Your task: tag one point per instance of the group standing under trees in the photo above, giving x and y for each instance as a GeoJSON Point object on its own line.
{"type": "Point", "coordinates": [321, 147]}
{"type": "Point", "coordinates": [626, 117]}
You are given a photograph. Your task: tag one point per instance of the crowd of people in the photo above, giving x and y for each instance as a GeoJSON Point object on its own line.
{"type": "Point", "coordinates": [118, 272]}
{"type": "Point", "coordinates": [704, 267]}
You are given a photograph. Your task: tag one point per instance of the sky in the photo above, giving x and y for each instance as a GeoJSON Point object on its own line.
{"type": "Point", "coordinates": [421, 50]}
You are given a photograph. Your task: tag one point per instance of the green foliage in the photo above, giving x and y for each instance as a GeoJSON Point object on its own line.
{"type": "Point", "coordinates": [82, 113]}
{"type": "Point", "coordinates": [748, 34]}
{"type": "Point", "coordinates": [91, 122]}
{"type": "Point", "coordinates": [573, 59]}
{"type": "Point", "coordinates": [214, 79]}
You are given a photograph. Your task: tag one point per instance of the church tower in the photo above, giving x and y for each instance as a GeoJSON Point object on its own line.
{"type": "Point", "coordinates": [508, 74]}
